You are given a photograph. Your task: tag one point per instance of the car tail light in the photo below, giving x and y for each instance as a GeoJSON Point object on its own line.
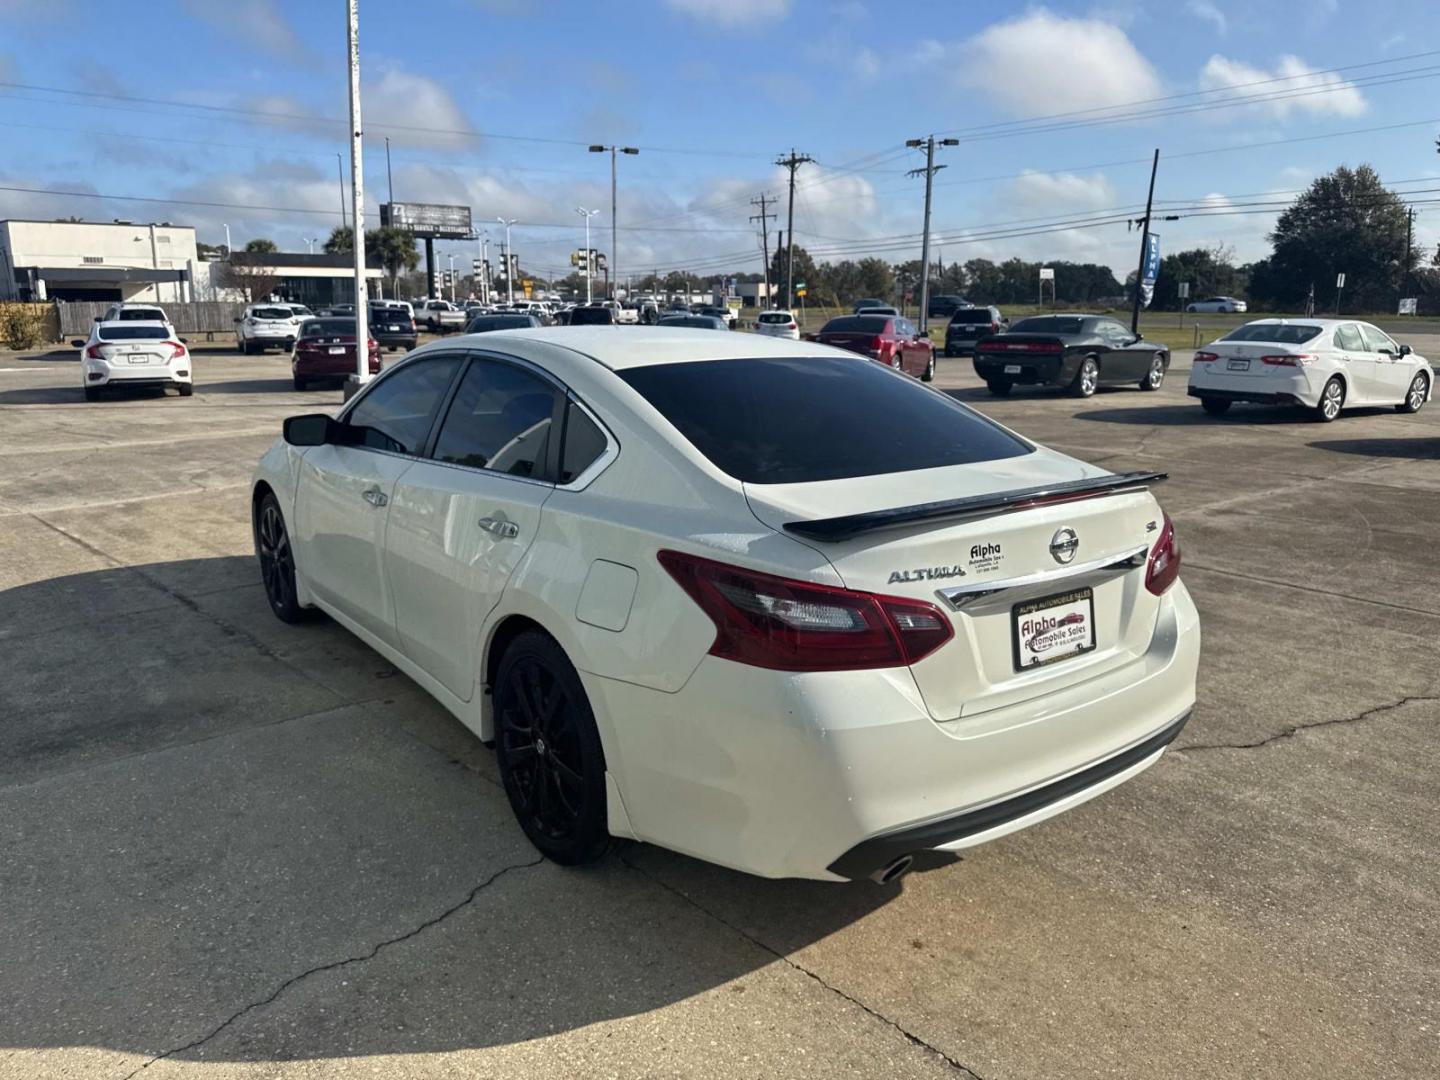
{"type": "Point", "coordinates": [793, 326]}
{"type": "Point", "coordinates": [1289, 360]}
{"type": "Point", "coordinates": [877, 345]}
{"type": "Point", "coordinates": [786, 625]}
{"type": "Point", "coordinates": [1164, 564]}
{"type": "Point", "coordinates": [994, 328]}
{"type": "Point", "coordinates": [178, 347]}
{"type": "Point", "coordinates": [94, 353]}
{"type": "Point", "coordinates": [1204, 357]}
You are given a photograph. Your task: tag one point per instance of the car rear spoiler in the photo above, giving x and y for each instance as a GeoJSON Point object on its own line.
{"type": "Point", "coordinates": [851, 525]}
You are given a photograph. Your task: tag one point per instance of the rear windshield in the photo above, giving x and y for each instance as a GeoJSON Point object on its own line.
{"type": "Point", "coordinates": [972, 315]}
{"type": "Point", "coordinates": [272, 313]}
{"type": "Point", "coordinates": [1286, 333]}
{"type": "Point", "coordinates": [1049, 324]}
{"type": "Point", "coordinates": [133, 333]}
{"type": "Point", "coordinates": [856, 324]}
{"type": "Point", "coordinates": [592, 316]}
{"type": "Point", "coordinates": [328, 328]}
{"type": "Point", "coordinates": [141, 314]}
{"type": "Point", "coordinates": [793, 420]}
{"type": "Point", "coordinates": [484, 323]}
{"type": "Point", "coordinates": [778, 317]}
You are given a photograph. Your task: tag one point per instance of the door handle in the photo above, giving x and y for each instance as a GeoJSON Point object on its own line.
{"type": "Point", "coordinates": [374, 496]}
{"type": "Point", "coordinates": [505, 530]}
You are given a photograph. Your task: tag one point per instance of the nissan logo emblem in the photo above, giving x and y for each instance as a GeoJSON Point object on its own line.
{"type": "Point", "coordinates": [1064, 544]}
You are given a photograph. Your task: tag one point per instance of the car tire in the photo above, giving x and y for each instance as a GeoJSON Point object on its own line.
{"type": "Point", "coordinates": [928, 375]}
{"type": "Point", "coordinates": [301, 384]}
{"type": "Point", "coordinates": [1416, 395]}
{"type": "Point", "coordinates": [1191, 309]}
{"type": "Point", "coordinates": [92, 393]}
{"type": "Point", "coordinates": [277, 562]}
{"type": "Point", "coordinates": [999, 387]}
{"type": "Point", "coordinates": [1155, 377]}
{"type": "Point", "coordinates": [1215, 406]}
{"type": "Point", "coordinates": [1332, 400]}
{"type": "Point", "coordinates": [240, 346]}
{"type": "Point", "coordinates": [897, 362]}
{"type": "Point", "coordinates": [548, 749]}
{"type": "Point", "coordinates": [1087, 379]}
{"type": "Point", "coordinates": [186, 389]}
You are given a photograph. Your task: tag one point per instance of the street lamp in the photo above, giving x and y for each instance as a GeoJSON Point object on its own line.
{"type": "Point", "coordinates": [451, 258]}
{"type": "Point", "coordinates": [614, 243]}
{"type": "Point", "coordinates": [589, 260]}
{"type": "Point", "coordinates": [509, 277]}
{"type": "Point", "coordinates": [312, 241]}
{"type": "Point", "coordinates": [228, 248]}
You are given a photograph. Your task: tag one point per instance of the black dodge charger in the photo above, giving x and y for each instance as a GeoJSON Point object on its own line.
{"type": "Point", "coordinates": [1078, 352]}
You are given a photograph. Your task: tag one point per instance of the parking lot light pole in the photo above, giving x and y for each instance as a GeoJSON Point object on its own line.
{"type": "Point", "coordinates": [589, 258]}
{"type": "Point", "coordinates": [509, 276]}
{"type": "Point", "coordinates": [612, 274]}
{"type": "Point", "coordinates": [357, 197]}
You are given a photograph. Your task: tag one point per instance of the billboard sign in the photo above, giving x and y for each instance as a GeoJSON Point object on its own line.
{"type": "Point", "coordinates": [432, 221]}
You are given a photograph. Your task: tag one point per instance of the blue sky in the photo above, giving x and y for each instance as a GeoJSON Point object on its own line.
{"type": "Point", "coordinates": [491, 102]}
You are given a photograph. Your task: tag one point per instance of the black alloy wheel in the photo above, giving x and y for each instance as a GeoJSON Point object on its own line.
{"type": "Point", "coordinates": [549, 753]}
{"type": "Point", "coordinates": [277, 562]}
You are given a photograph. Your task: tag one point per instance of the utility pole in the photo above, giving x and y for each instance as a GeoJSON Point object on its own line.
{"type": "Point", "coordinates": [793, 162]}
{"type": "Point", "coordinates": [1144, 244]}
{"type": "Point", "coordinates": [357, 197]}
{"type": "Point", "coordinates": [1409, 236]}
{"type": "Point", "coordinates": [763, 218]}
{"type": "Point", "coordinates": [929, 170]}
{"type": "Point", "coordinates": [389, 176]}
{"type": "Point", "coordinates": [340, 168]}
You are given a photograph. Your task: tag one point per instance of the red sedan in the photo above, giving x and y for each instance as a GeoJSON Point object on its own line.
{"type": "Point", "coordinates": [891, 340]}
{"type": "Point", "coordinates": [325, 350]}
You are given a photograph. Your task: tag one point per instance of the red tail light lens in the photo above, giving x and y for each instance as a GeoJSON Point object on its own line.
{"type": "Point", "coordinates": [877, 344]}
{"type": "Point", "coordinates": [178, 347]}
{"type": "Point", "coordinates": [1204, 357]}
{"type": "Point", "coordinates": [994, 328]}
{"type": "Point", "coordinates": [1289, 360]}
{"type": "Point", "coordinates": [786, 625]}
{"type": "Point", "coordinates": [93, 353]}
{"type": "Point", "coordinates": [1164, 565]}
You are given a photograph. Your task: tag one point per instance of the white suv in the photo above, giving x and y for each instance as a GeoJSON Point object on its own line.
{"type": "Point", "coordinates": [778, 324]}
{"type": "Point", "coordinates": [265, 326]}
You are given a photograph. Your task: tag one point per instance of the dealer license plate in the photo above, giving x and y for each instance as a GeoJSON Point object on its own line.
{"type": "Point", "coordinates": [1053, 628]}
{"type": "Point", "coordinates": [336, 350]}
{"type": "Point", "coordinates": [139, 358]}
{"type": "Point", "coordinates": [1012, 369]}
{"type": "Point", "coordinates": [1238, 365]}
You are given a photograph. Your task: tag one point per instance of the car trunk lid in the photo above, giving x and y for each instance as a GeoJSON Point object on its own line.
{"type": "Point", "coordinates": [995, 575]}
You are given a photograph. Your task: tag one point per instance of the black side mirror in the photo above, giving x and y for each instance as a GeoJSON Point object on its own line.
{"type": "Point", "coordinates": [312, 429]}
{"type": "Point", "coordinates": [1405, 350]}
{"type": "Point", "coordinates": [79, 343]}
{"type": "Point", "coordinates": [99, 318]}
{"type": "Point", "coordinates": [236, 319]}
{"type": "Point", "coordinates": [184, 341]}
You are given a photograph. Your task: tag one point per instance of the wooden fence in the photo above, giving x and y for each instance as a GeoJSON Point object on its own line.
{"type": "Point", "coordinates": [200, 317]}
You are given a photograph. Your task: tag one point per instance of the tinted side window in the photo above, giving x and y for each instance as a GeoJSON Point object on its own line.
{"type": "Point", "coordinates": [1348, 338]}
{"type": "Point", "coordinates": [1375, 340]}
{"type": "Point", "coordinates": [396, 415]}
{"type": "Point", "coordinates": [584, 442]}
{"type": "Point", "coordinates": [500, 420]}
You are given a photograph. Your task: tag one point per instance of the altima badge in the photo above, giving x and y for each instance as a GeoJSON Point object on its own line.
{"type": "Point", "coordinates": [1064, 544]}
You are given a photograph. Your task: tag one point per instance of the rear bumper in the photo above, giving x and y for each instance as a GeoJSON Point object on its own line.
{"type": "Point", "coordinates": [100, 373]}
{"type": "Point", "coordinates": [388, 340]}
{"type": "Point", "coordinates": [832, 775]}
{"type": "Point", "coordinates": [959, 348]}
{"type": "Point", "coordinates": [1246, 396]}
{"type": "Point", "coordinates": [1034, 371]}
{"type": "Point", "coordinates": [1281, 386]}
{"type": "Point", "coordinates": [270, 341]}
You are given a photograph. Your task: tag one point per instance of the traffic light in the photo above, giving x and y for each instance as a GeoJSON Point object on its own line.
{"type": "Point", "coordinates": [476, 266]}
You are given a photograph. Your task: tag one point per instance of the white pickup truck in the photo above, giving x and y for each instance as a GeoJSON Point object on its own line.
{"type": "Point", "coordinates": [439, 316]}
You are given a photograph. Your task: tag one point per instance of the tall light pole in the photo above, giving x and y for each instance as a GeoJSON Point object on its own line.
{"type": "Point", "coordinates": [589, 258]}
{"type": "Point", "coordinates": [340, 170]}
{"type": "Point", "coordinates": [228, 248]}
{"type": "Point", "coordinates": [929, 170]}
{"type": "Point", "coordinates": [509, 276]}
{"type": "Point", "coordinates": [451, 259]}
{"type": "Point", "coordinates": [614, 240]}
{"type": "Point", "coordinates": [357, 197]}
{"type": "Point", "coordinates": [311, 240]}
{"type": "Point", "coordinates": [485, 265]}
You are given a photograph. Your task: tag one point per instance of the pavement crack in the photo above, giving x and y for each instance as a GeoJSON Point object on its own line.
{"type": "Point", "coordinates": [335, 965]}
{"type": "Point", "coordinates": [1290, 732]}
{"type": "Point", "coordinates": [961, 1070]}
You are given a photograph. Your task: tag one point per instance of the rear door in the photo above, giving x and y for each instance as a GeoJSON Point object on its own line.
{"type": "Point", "coordinates": [343, 491]}
{"type": "Point", "coordinates": [1357, 363]}
{"type": "Point", "coordinates": [461, 520]}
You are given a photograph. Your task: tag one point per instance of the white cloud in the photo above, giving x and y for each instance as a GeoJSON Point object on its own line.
{"type": "Point", "coordinates": [734, 13]}
{"type": "Point", "coordinates": [258, 22]}
{"type": "Point", "coordinates": [1042, 63]}
{"type": "Point", "coordinates": [1208, 12]}
{"type": "Point", "coordinates": [1339, 97]}
{"type": "Point", "coordinates": [404, 101]}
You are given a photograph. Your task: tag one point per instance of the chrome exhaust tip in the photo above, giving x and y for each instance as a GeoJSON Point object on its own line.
{"type": "Point", "coordinates": [892, 871]}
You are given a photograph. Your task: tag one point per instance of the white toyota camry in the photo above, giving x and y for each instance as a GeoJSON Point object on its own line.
{"type": "Point", "coordinates": [1325, 364]}
{"type": "Point", "coordinates": [764, 602]}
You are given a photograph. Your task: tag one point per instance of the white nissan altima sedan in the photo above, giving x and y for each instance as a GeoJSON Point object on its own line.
{"type": "Point", "coordinates": [763, 602]}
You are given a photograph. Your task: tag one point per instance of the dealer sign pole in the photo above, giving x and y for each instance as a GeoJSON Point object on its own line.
{"type": "Point", "coordinates": [357, 199]}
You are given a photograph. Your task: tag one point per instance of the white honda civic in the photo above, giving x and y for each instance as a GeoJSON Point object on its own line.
{"type": "Point", "coordinates": [1324, 364]}
{"type": "Point", "coordinates": [763, 602]}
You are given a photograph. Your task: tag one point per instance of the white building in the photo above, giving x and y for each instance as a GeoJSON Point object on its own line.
{"type": "Point", "coordinates": [91, 260]}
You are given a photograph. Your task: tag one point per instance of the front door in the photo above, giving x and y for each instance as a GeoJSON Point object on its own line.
{"type": "Point", "coordinates": [1127, 357]}
{"type": "Point", "coordinates": [343, 493]}
{"type": "Point", "coordinates": [461, 521]}
{"type": "Point", "coordinates": [1393, 372]}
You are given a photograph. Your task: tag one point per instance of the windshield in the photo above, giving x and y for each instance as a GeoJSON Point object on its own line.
{"type": "Point", "coordinates": [783, 318]}
{"type": "Point", "coordinates": [141, 314]}
{"type": "Point", "coordinates": [591, 316]}
{"type": "Point", "coordinates": [110, 332]}
{"type": "Point", "coordinates": [1283, 333]}
{"type": "Point", "coordinates": [1049, 324]}
{"type": "Point", "coordinates": [787, 420]}
{"type": "Point", "coordinates": [856, 324]}
{"type": "Point", "coordinates": [271, 313]}
{"type": "Point", "coordinates": [328, 328]}
{"type": "Point", "coordinates": [499, 322]}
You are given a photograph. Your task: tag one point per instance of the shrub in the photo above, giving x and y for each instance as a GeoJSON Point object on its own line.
{"type": "Point", "coordinates": [23, 326]}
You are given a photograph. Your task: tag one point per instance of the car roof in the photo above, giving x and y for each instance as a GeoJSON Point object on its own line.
{"type": "Point", "coordinates": [621, 347]}
{"type": "Point", "coordinates": [1322, 323]}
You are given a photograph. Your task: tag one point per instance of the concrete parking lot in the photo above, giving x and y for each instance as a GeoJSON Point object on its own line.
{"type": "Point", "coordinates": [235, 848]}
